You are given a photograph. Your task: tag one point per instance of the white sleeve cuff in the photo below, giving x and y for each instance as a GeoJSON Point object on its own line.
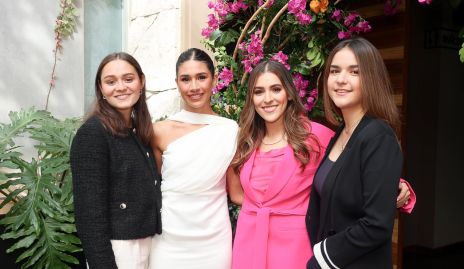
{"type": "Point", "coordinates": [325, 263]}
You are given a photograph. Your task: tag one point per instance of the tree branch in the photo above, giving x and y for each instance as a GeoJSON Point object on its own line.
{"type": "Point", "coordinates": [273, 22]}
{"type": "Point", "coordinates": [247, 25]}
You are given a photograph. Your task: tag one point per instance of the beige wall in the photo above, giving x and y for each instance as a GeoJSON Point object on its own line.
{"type": "Point", "coordinates": [194, 15]}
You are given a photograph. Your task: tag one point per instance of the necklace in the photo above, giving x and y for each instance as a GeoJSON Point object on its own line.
{"type": "Point", "coordinates": [348, 133]}
{"type": "Point", "coordinates": [273, 143]}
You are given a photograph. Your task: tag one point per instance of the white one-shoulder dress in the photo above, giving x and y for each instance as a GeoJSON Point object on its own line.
{"type": "Point", "coordinates": [196, 228]}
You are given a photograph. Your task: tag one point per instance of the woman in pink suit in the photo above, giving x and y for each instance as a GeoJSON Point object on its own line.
{"type": "Point", "coordinates": [278, 152]}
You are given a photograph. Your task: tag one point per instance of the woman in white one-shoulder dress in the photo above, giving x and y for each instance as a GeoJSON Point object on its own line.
{"type": "Point", "coordinates": [194, 148]}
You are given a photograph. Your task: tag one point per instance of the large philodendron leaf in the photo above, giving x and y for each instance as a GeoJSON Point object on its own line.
{"type": "Point", "coordinates": [41, 220]}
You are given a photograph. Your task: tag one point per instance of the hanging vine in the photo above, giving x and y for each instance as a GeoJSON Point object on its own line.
{"type": "Point", "coordinates": [65, 26]}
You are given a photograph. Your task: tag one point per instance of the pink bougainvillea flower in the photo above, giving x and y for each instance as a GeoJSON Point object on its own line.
{"type": "Point", "coordinates": [261, 2]}
{"type": "Point", "coordinates": [206, 32]}
{"type": "Point", "coordinates": [314, 93]}
{"type": "Point", "coordinates": [301, 84]}
{"type": "Point", "coordinates": [304, 19]}
{"type": "Point", "coordinates": [281, 58]}
{"type": "Point", "coordinates": [226, 76]}
{"type": "Point", "coordinates": [221, 8]}
{"type": "Point", "coordinates": [311, 100]}
{"type": "Point", "coordinates": [350, 19]}
{"type": "Point", "coordinates": [428, 2]}
{"type": "Point", "coordinates": [252, 52]}
{"type": "Point", "coordinates": [364, 26]}
{"type": "Point", "coordinates": [212, 21]}
{"type": "Point", "coordinates": [298, 9]}
{"type": "Point", "coordinates": [235, 7]}
{"type": "Point", "coordinates": [343, 35]}
{"type": "Point", "coordinates": [388, 8]}
{"type": "Point", "coordinates": [296, 6]}
{"type": "Point", "coordinates": [337, 15]}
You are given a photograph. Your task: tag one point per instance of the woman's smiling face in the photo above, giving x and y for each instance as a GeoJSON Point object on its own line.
{"type": "Point", "coordinates": [195, 83]}
{"type": "Point", "coordinates": [270, 97]}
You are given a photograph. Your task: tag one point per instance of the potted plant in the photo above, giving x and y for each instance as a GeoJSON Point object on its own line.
{"type": "Point", "coordinates": [40, 221]}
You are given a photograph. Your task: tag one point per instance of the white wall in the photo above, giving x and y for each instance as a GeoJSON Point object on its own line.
{"type": "Point", "coordinates": [27, 36]}
{"type": "Point", "coordinates": [152, 37]}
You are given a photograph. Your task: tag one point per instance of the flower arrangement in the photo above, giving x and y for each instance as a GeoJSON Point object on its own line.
{"type": "Point", "coordinates": [297, 33]}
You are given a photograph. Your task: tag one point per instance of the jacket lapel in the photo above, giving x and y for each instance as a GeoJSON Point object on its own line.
{"type": "Point", "coordinates": [332, 176]}
{"type": "Point", "coordinates": [245, 174]}
{"type": "Point", "coordinates": [146, 153]}
{"type": "Point", "coordinates": [287, 169]}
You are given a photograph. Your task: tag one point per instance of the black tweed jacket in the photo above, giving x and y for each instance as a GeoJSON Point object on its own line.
{"type": "Point", "coordinates": [116, 191]}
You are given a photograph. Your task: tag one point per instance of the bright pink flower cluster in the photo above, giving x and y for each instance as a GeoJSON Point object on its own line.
{"type": "Point", "coordinates": [311, 100]}
{"type": "Point", "coordinates": [353, 27]}
{"type": "Point", "coordinates": [391, 7]}
{"type": "Point", "coordinates": [281, 58]}
{"type": "Point", "coordinates": [337, 15]}
{"type": "Point", "coordinates": [261, 2]}
{"type": "Point", "coordinates": [298, 9]}
{"type": "Point", "coordinates": [222, 9]}
{"type": "Point", "coordinates": [301, 84]}
{"type": "Point", "coordinates": [226, 76]}
{"type": "Point", "coordinates": [252, 52]}
{"type": "Point", "coordinates": [428, 2]}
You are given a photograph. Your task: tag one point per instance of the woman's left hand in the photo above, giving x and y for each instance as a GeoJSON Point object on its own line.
{"type": "Point", "coordinates": [403, 196]}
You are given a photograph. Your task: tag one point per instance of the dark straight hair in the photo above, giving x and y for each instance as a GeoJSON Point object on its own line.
{"type": "Point", "coordinates": [377, 94]}
{"type": "Point", "coordinates": [110, 117]}
{"type": "Point", "coordinates": [196, 55]}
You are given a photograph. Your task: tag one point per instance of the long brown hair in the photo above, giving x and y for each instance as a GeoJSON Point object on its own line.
{"type": "Point", "coordinates": [376, 89]}
{"type": "Point", "coordinates": [296, 126]}
{"type": "Point", "coordinates": [113, 119]}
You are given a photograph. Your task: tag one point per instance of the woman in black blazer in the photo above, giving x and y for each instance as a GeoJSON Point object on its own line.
{"type": "Point", "coordinates": [117, 197]}
{"type": "Point", "coordinates": [352, 206]}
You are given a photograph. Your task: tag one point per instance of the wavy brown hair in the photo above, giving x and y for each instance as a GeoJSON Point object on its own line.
{"type": "Point", "coordinates": [377, 94]}
{"type": "Point", "coordinates": [297, 127]}
{"type": "Point", "coordinates": [113, 119]}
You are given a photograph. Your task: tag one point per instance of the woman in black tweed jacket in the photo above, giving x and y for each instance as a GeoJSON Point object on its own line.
{"type": "Point", "coordinates": [117, 196]}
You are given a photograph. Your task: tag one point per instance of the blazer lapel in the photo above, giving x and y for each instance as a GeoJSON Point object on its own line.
{"type": "Point", "coordinates": [245, 175]}
{"type": "Point", "coordinates": [332, 176]}
{"type": "Point", "coordinates": [285, 171]}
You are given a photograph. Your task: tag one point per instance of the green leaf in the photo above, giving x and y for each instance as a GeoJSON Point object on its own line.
{"type": "Point", "coordinates": [34, 258]}
{"type": "Point", "coordinates": [9, 220]}
{"type": "Point", "coordinates": [17, 234]}
{"type": "Point", "coordinates": [461, 53]}
{"type": "Point", "coordinates": [67, 258]}
{"type": "Point", "coordinates": [23, 243]}
{"type": "Point", "coordinates": [227, 37]}
{"type": "Point", "coordinates": [12, 195]}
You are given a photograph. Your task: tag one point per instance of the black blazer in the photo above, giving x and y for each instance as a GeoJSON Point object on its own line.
{"type": "Point", "coordinates": [350, 224]}
{"type": "Point", "coordinates": [116, 190]}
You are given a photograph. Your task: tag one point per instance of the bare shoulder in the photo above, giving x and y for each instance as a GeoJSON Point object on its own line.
{"type": "Point", "coordinates": [166, 127]}
{"type": "Point", "coordinates": [165, 132]}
